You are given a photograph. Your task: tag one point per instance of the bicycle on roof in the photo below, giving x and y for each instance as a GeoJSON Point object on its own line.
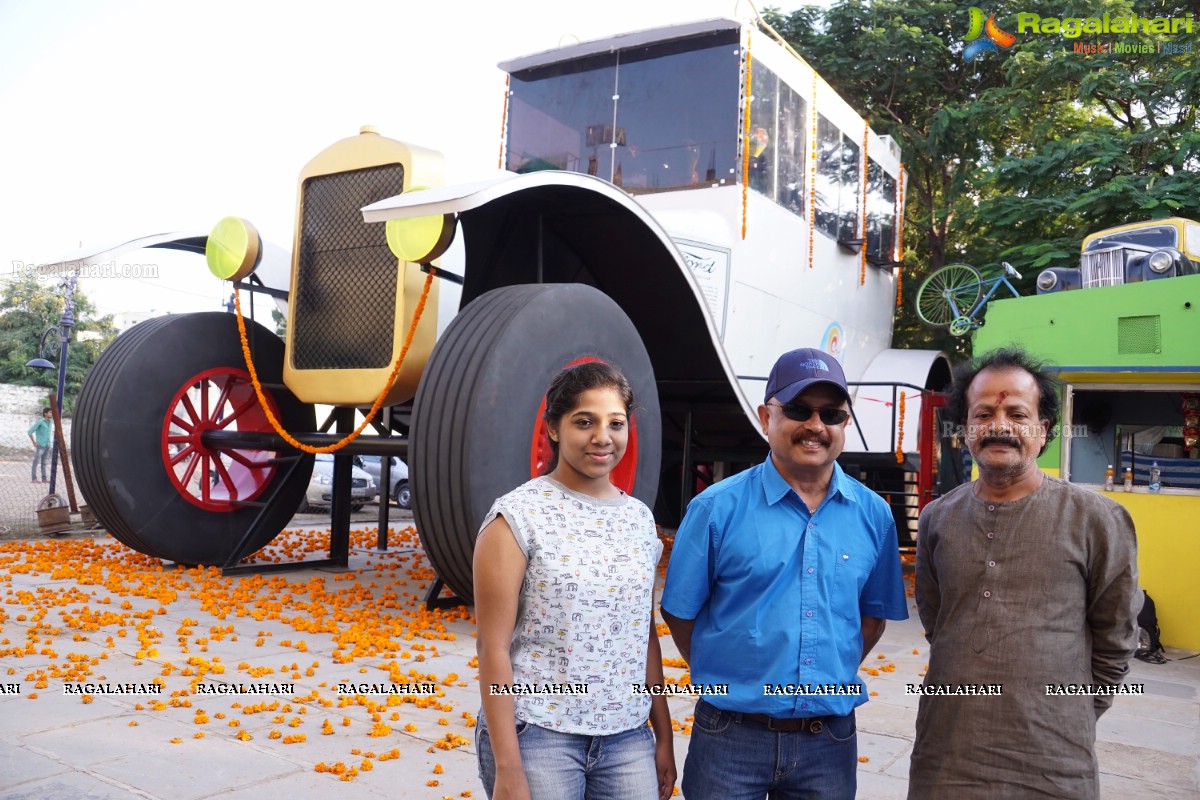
{"type": "Point", "coordinates": [954, 295]}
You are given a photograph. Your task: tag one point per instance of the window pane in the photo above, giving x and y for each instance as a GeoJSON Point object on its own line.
{"type": "Point", "coordinates": [792, 145]}
{"type": "Point", "coordinates": [881, 214]}
{"type": "Point", "coordinates": [762, 144]}
{"type": "Point", "coordinates": [829, 167]}
{"type": "Point", "coordinates": [560, 117]}
{"type": "Point", "coordinates": [1164, 236]}
{"type": "Point", "coordinates": [851, 191]}
{"type": "Point", "coordinates": [677, 114]}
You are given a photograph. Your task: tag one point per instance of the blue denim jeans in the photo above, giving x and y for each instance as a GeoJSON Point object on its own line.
{"type": "Point", "coordinates": [734, 759]}
{"type": "Point", "coordinates": [41, 455]}
{"type": "Point", "coordinates": [569, 766]}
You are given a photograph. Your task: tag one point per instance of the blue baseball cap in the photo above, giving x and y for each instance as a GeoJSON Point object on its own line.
{"type": "Point", "coordinates": [796, 370]}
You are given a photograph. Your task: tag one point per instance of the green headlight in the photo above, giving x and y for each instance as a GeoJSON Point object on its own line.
{"type": "Point", "coordinates": [233, 249]}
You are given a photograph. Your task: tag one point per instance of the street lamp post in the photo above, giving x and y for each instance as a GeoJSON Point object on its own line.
{"type": "Point", "coordinates": [65, 323]}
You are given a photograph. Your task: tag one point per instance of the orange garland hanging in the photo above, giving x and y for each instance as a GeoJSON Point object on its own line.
{"type": "Point", "coordinates": [262, 400]}
{"type": "Point", "coordinates": [812, 183]}
{"type": "Point", "coordinates": [503, 122]}
{"type": "Point", "coordinates": [862, 275]}
{"type": "Point", "coordinates": [746, 139]}
{"type": "Point", "coordinates": [900, 433]}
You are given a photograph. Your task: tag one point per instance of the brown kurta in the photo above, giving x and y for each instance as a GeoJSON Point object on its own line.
{"type": "Point", "coordinates": [1042, 590]}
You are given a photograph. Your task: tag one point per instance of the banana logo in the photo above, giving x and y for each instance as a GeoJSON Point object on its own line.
{"type": "Point", "coordinates": [978, 26]}
{"type": "Point", "coordinates": [1002, 38]}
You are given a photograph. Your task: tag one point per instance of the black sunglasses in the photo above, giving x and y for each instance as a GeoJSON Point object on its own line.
{"type": "Point", "coordinates": [800, 413]}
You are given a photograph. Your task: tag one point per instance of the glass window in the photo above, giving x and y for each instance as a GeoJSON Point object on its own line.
{"type": "Point", "coordinates": [829, 171]}
{"type": "Point", "coordinates": [881, 214]}
{"type": "Point", "coordinates": [792, 149]}
{"type": "Point", "coordinates": [560, 117]}
{"type": "Point", "coordinates": [763, 134]}
{"type": "Point", "coordinates": [1132, 428]}
{"type": "Point", "coordinates": [850, 192]}
{"type": "Point", "coordinates": [677, 114]}
{"type": "Point", "coordinates": [1159, 236]}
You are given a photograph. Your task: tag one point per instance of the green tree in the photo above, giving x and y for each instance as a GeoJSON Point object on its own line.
{"type": "Point", "coordinates": [280, 321]}
{"type": "Point", "coordinates": [1015, 155]}
{"type": "Point", "coordinates": [28, 308]}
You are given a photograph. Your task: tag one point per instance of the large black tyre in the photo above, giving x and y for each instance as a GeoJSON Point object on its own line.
{"type": "Point", "coordinates": [476, 407]}
{"type": "Point", "coordinates": [122, 447]}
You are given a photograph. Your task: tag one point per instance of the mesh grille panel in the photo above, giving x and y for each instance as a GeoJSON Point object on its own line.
{"type": "Point", "coordinates": [1138, 335]}
{"type": "Point", "coordinates": [345, 303]}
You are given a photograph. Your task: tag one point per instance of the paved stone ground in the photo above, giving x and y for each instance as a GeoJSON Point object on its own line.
{"type": "Point", "coordinates": [83, 608]}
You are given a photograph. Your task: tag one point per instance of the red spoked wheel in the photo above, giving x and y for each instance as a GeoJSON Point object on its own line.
{"type": "Point", "coordinates": [215, 479]}
{"type": "Point", "coordinates": [137, 440]}
{"type": "Point", "coordinates": [623, 476]}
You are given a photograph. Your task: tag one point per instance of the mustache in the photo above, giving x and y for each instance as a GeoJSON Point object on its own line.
{"type": "Point", "coordinates": [1010, 441]}
{"type": "Point", "coordinates": [822, 440]}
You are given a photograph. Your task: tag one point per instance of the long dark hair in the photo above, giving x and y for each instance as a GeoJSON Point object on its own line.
{"type": "Point", "coordinates": [569, 385]}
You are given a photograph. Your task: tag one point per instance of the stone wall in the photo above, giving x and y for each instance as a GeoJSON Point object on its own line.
{"type": "Point", "coordinates": [20, 407]}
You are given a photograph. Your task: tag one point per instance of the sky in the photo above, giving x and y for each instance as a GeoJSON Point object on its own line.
{"type": "Point", "coordinates": [124, 119]}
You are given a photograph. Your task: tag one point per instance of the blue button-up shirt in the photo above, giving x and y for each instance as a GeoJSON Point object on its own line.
{"type": "Point", "coordinates": [778, 593]}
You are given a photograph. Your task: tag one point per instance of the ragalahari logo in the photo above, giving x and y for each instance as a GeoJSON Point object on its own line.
{"type": "Point", "coordinates": [979, 27]}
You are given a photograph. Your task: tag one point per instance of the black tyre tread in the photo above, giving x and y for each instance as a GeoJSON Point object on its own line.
{"type": "Point", "coordinates": [87, 430]}
{"type": "Point", "coordinates": [454, 414]}
{"type": "Point", "coordinates": [159, 522]}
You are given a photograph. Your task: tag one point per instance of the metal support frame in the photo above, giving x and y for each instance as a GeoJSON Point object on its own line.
{"type": "Point", "coordinates": [339, 532]}
{"type": "Point", "coordinates": [434, 600]}
{"type": "Point", "coordinates": [385, 489]}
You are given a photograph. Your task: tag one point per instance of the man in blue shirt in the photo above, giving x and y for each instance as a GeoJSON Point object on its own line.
{"type": "Point", "coordinates": [780, 582]}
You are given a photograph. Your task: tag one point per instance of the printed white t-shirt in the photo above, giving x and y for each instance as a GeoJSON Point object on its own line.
{"type": "Point", "coordinates": [585, 607]}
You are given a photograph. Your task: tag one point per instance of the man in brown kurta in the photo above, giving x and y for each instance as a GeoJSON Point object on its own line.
{"type": "Point", "coordinates": [1026, 582]}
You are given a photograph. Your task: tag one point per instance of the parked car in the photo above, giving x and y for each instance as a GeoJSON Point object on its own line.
{"type": "Point", "coordinates": [320, 486]}
{"type": "Point", "coordinates": [398, 479]}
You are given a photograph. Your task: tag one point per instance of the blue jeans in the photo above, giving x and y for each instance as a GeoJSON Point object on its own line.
{"type": "Point", "coordinates": [571, 766]}
{"type": "Point", "coordinates": [41, 455]}
{"type": "Point", "coordinates": [734, 759]}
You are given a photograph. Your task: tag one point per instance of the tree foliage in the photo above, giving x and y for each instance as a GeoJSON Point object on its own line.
{"type": "Point", "coordinates": [31, 306]}
{"type": "Point", "coordinates": [1016, 155]}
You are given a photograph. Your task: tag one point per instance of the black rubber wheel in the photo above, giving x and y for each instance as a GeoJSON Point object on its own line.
{"type": "Point", "coordinates": [403, 495]}
{"type": "Point", "coordinates": [476, 408]}
{"type": "Point", "coordinates": [357, 507]}
{"type": "Point", "coordinates": [143, 471]}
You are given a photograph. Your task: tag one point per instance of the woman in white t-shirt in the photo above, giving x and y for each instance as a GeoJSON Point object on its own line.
{"type": "Point", "coordinates": [564, 591]}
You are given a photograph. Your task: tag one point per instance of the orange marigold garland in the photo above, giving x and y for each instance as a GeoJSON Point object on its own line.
{"type": "Point", "coordinates": [900, 432]}
{"type": "Point", "coordinates": [812, 183]}
{"type": "Point", "coordinates": [262, 400]}
{"type": "Point", "coordinates": [504, 121]}
{"type": "Point", "coordinates": [746, 139]}
{"type": "Point", "coordinates": [862, 275]}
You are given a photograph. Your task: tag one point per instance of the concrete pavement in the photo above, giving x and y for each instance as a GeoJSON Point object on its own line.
{"type": "Point", "coordinates": [85, 610]}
